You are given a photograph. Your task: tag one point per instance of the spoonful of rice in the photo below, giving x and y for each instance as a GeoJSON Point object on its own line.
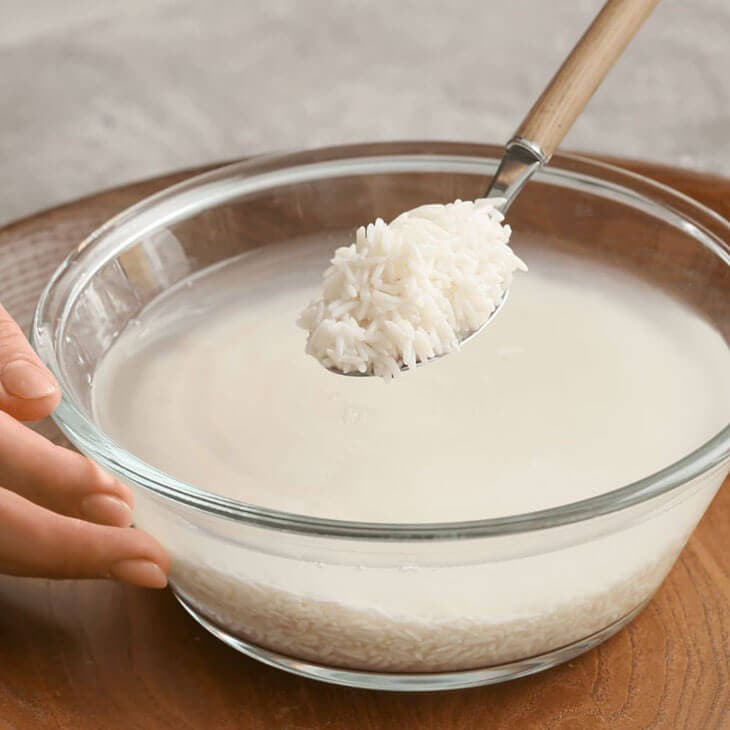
{"type": "Point", "coordinates": [410, 291]}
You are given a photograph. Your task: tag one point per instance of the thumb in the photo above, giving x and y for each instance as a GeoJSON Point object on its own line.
{"type": "Point", "coordinates": [28, 391]}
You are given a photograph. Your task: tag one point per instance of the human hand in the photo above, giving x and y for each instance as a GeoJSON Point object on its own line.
{"type": "Point", "coordinates": [61, 516]}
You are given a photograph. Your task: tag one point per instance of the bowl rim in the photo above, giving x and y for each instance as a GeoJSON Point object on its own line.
{"type": "Point", "coordinates": [696, 220]}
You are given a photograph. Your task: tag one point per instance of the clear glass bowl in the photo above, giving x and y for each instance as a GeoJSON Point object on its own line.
{"type": "Point", "coordinates": [270, 583]}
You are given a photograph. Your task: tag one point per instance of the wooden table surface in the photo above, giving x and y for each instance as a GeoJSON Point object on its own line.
{"type": "Point", "coordinates": [94, 655]}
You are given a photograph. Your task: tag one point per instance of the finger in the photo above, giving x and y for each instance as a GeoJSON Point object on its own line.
{"type": "Point", "coordinates": [59, 479]}
{"type": "Point", "coordinates": [39, 543]}
{"type": "Point", "coordinates": [27, 390]}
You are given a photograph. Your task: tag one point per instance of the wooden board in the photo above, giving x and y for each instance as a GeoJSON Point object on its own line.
{"type": "Point", "coordinates": [94, 655]}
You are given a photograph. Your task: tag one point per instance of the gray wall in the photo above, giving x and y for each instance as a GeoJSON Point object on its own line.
{"type": "Point", "coordinates": [96, 93]}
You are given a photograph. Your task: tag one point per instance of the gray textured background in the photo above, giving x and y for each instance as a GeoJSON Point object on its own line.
{"type": "Point", "coordinates": [96, 93]}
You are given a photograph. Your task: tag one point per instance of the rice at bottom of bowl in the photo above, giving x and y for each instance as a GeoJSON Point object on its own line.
{"type": "Point", "coordinates": [339, 634]}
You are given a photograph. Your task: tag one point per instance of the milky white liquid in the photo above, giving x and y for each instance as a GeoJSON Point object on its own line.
{"type": "Point", "coordinates": [587, 380]}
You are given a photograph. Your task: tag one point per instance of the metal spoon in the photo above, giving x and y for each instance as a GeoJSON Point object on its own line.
{"type": "Point", "coordinates": [554, 113]}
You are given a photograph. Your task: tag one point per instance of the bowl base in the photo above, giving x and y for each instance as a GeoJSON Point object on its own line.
{"type": "Point", "coordinates": [414, 682]}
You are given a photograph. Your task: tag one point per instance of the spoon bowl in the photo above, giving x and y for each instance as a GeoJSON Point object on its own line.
{"type": "Point", "coordinates": [462, 341]}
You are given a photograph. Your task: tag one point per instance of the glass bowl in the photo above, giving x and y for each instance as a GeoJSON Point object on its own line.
{"type": "Point", "coordinates": [271, 583]}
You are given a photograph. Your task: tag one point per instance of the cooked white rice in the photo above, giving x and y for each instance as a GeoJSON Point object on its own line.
{"type": "Point", "coordinates": [410, 290]}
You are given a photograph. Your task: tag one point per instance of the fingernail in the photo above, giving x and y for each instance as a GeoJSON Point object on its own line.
{"type": "Point", "coordinates": [139, 572]}
{"type": "Point", "coordinates": [105, 510]}
{"type": "Point", "coordinates": [27, 381]}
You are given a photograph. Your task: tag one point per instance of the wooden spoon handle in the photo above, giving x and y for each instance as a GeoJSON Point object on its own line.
{"type": "Point", "coordinates": [581, 74]}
